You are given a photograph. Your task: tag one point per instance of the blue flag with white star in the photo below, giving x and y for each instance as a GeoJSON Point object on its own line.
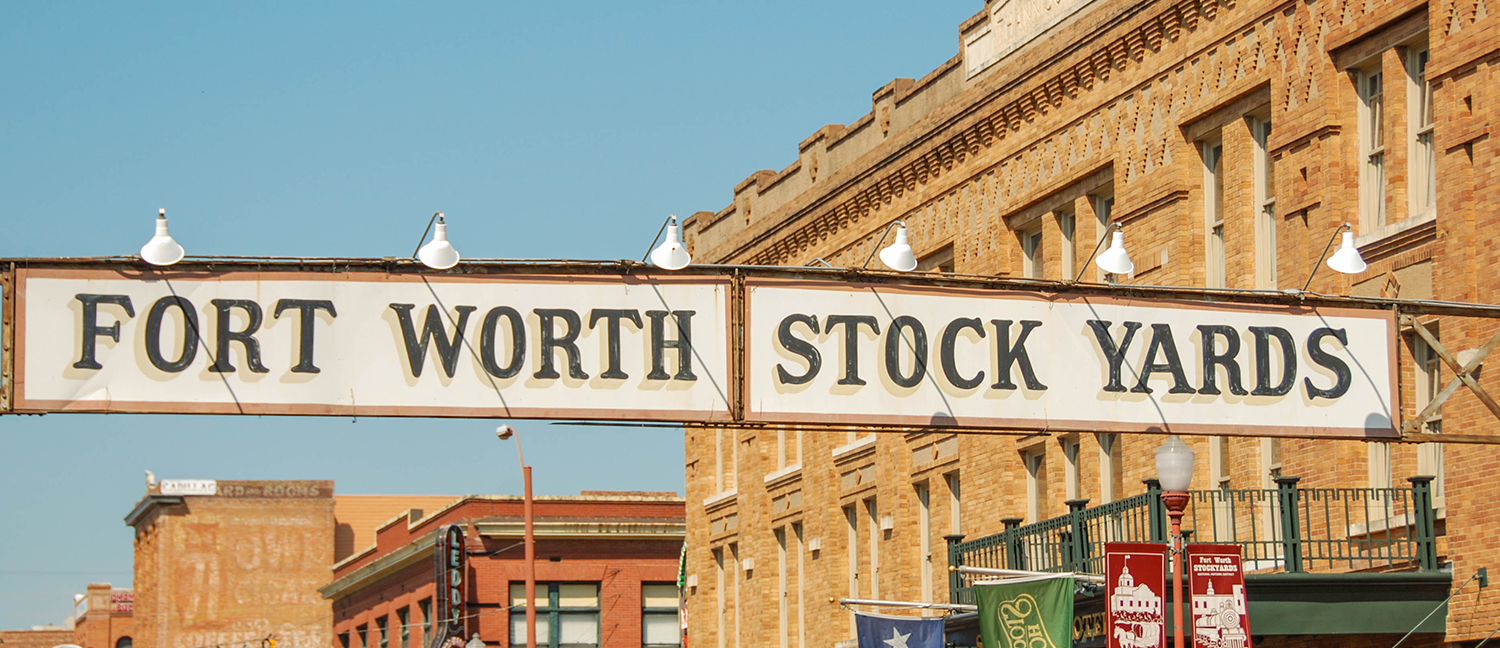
{"type": "Point", "coordinates": [884, 631]}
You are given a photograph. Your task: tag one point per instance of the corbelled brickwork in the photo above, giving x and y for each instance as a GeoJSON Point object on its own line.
{"type": "Point", "coordinates": [1107, 115]}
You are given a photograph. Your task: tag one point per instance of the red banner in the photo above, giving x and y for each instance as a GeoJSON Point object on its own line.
{"type": "Point", "coordinates": [1217, 585]}
{"type": "Point", "coordinates": [1135, 594]}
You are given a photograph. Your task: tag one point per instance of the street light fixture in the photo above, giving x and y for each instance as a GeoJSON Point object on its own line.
{"type": "Point", "coordinates": [897, 256]}
{"type": "Point", "coordinates": [438, 253]}
{"type": "Point", "coordinates": [672, 254]}
{"type": "Point", "coordinates": [1174, 469]}
{"type": "Point", "coordinates": [161, 250]}
{"type": "Point", "coordinates": [1114, 260]}
{"type": "Point", "coordinates": [506, 432]}
{"type": "Point", "coordinates": [1347, 260]}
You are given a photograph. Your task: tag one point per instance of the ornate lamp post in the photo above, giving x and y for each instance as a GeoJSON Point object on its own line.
{"type": "Point", "coordinates": [1174, 469]}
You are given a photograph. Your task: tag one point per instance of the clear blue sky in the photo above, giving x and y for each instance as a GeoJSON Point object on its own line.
{"type": "Point", "coordinates": [543, 130]}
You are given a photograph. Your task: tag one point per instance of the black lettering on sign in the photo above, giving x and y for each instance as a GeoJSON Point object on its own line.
{"type": "Point", "coordinates": [91, 328]}
{"type": "Point", "coordinates": [1212, 359]}
{"type": "Point", "coordinates": [798, 346]}
{"type": "Point", "coordinates": [432, 331]}
{"type": "Point", "coordinates": [612, 317]}
{"type": "Point", "coordinates": [245, 337]}
{"type": "Point", "coordinates": [683, 344]}
{"type": "Point", "coordinates": [1115, 354]}
{"type": "Point", "coordinates": [918, 344]}
{"type": "Point", "coordinates": [1340, 369]}
{"type": "Point", "coordinates": [1263, 335]}
{"type": "Point", "coordinates": [189, 334]}
{"type": "Point", "coordinates": [1161, 339]}
{"type": "Point", "coordinates": [851, 343]}
{"type": "Point", "coordinates": [568, 342]}
{"type": "Point", "coordinates": [947, 352]}
{"type": "Point", "coordinates": [1009, 355]}
{"type": "Point", "coordinates": [308, 309]}
{"type": "Point", "coordinates": [517, 342]}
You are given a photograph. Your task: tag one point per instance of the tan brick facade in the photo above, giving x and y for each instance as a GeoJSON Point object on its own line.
{"type": "Point", "coordinates": [234, 567]}
{"type": "Point", "coordinates": [1111, 108]}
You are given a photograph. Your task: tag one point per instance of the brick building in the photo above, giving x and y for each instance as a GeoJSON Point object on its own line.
{"type": "Point", "coordinates": [105, 618]}
{"type": "Point", "coordinates": [1231, 139]}
{"type": "Point", "coordinates": [37, 637]}
{"type": "Point", "coordinates": [221, 562]}
{"type": "Point", "coordinates": [606, 572]}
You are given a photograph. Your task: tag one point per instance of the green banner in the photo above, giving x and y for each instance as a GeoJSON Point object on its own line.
{"type": "Point", "coordinates": [1029, 612]}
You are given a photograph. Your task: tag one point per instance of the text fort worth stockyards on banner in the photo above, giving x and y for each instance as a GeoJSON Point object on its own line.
{"type": "Point", "coordinates": [656, 347]}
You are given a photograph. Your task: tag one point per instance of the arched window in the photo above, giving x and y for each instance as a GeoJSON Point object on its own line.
{"type": "Point", "coordinates": [123, 642]}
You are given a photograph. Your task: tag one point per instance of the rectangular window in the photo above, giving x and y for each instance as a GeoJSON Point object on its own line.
{"type": "Point", "coordinates": [1264, 181]}
{"type": "Point", "coordinates": [1109, 466]}
{"type": "Point", "coordinates": [425, 607]}
{"type": "Point", "coordinates": [1429, 383]}
{"type": "Point", "coordinates": [723, 607]}
{"type": "Point", "coordinates": [1370, 86]}
{"type": "Point", "coordinates": [955, 497]}
{"type": "Point", "coordinates": [1223, 507]}
{"type": "Point", "coordinates": [851, 518]}
{"type": "Point", "coordinates": [1031, 248]}
{"type": "Point", "coordinates": [362, 633]}
{"type": "Point", "coordinates": [1072, 477]}
{"type": "Point", "coordinates": [1036, 491]}
{"type": "Point", "coordinates": [385, 632]}
{"type": "Point", "coordinates": [1423, 189]}
{"type": "Point", "coordinates": [782, 610]}
{"type": "Point", "coordinates": [924, 540]}
{"type": "Point", "coordinates": [736, 574]}
{"type": "Point", "coordinates": [1213, 211]}
{"type": "Point", "coordinates": [874, 534]}
{"type": "Point", "coordinates": [659, 624]}
{"type": "Point", "coordinates": [403, 617]}
{"type": "Point", "coordinates": [1065, 227]}
{"type": "Point", "coordinates": [940, 261]}
{"type": "Point", "coordinates": [801, 589]}
{"type": "Point", "coordinates": [344, 640]}
{"type": "Point", "coordinates": [568, 616]}
{"type": "Point", "coordinates": [1380, 464]}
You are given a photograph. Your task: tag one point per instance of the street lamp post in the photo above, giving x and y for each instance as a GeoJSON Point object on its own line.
{"type": "Point", "coordinates": [1174, 469]}
{"type": "Point", "coordinates": [505, 432]}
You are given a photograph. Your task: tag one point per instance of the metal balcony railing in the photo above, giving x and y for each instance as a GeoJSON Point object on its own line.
{"type": "Point", "coordinates": [1286, 529]}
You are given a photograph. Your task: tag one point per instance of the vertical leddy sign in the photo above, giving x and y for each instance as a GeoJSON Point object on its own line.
{"type": "Point", "coordinates": [451, 565]}
{"type": "Point", "coordinates": [1217, 585]}
{"type": "Point", "coordinates": [1135, 586]}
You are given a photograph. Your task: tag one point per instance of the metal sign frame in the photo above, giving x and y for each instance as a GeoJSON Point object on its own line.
{"type": "Point", "coordinates": [735, 278]}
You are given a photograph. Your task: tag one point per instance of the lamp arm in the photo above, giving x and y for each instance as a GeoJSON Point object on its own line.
{"type": "Point", "coordinates": [1108, 229]}
{"type": "Point", "coordinates": [1326, 248]}
{"type": "Point", "coordinates": [820, 260]}
{"type": "Point", "coordinates": [875, 251]}
{"type": "Point", "coordinates": [422, 240]}
{"type": "Point", "coordinates": [651, 247]}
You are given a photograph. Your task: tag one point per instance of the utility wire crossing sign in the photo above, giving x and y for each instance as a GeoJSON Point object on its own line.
{"type": "Point", "coordinates": [708, 348]}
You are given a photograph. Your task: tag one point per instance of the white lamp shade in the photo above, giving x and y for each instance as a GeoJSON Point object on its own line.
{"type": "Point", "coordinates": [438, 253]}
{"type": "Point", "coordinates": [671, 254]}
{"type": "Point", "coordinates": [1115, 260]}
{"type": "Point", "coordinates": [161, 249]}
{"type": "Point", "coordinates": [1347, 260]}
{"type": "Point", "coordinates": [1174, 464]}
{"type": "Point", "coordinates": [899, 256]}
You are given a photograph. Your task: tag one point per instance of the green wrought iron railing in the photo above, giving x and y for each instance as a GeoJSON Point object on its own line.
{"type": "Point", "coordinates": [1285, 529]}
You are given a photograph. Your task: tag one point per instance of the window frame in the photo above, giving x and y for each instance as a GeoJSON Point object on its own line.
{"type": "Point", "coordinates": [1263, 180]}
{"type": "Point", "coordinates": [1421, 159]}
{"type": "Point", "coordinates": [1369, 90]}
{"type": "Point", "coordinates": [1216, 263]}
{"type": "Point", "coordinates": [647, 611]}
{"type": "Point", "coordinates": [555, 613]}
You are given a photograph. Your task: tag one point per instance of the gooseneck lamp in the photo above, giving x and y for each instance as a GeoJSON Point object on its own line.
{"type": "Point", "coordinates": [1114, 260]}
{"type": "Point", "coordinates": [897, 256]}
{"type": "Point", "coordinates": [438, 253]}
{"type": "Point", "coordinates": [1347, 260]}
{"type": "Point", "coordinates": [161, 250]}
{"type": "Point", "coordinates": [672, 254]}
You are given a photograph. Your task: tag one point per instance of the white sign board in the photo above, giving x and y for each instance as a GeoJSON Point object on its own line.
{"type": "Point", "coordinates": [986, 358]}
{"type": "Point", "coordinates": [189, 487]}
{"type": "Point", "coordinates": [373, 344]}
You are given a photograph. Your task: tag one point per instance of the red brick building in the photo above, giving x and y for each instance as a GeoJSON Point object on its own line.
{"type": "Point", "coordinates": [606, 570]}
{"type": "Point", "coordinates": [105, 618]}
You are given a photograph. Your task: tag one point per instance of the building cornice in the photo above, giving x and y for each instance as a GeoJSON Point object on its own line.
{"type": "Point", "coordinates": [147, 505]}
{"type": "Point", "coordinates": [583, 529]}
{"type": "Point", "coordinates": [403, 557]}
